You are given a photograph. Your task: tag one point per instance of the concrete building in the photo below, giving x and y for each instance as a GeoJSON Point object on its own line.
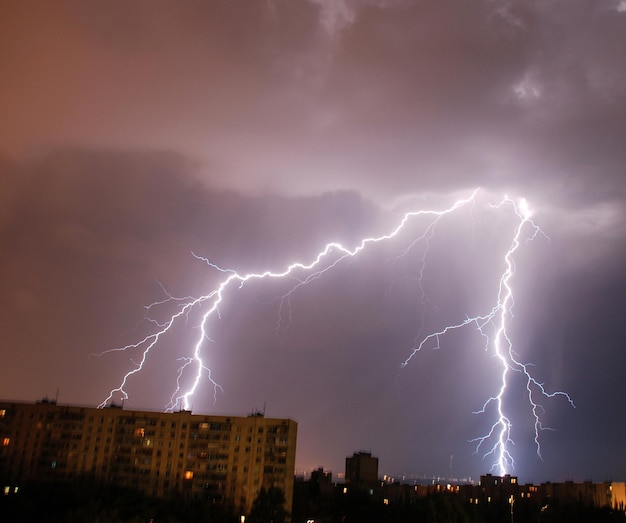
{"type": "Point", "coordinates": [499, 489]}
{"type": "Point", "coordinates": [606, 494]}
{"type": "Point", "coordinates": [224, 459]}
{"type": "Point", "coordinates": [362, 470]}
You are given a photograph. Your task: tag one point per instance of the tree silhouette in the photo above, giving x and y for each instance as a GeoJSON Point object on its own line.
{"type": "Point", "coordinates": [268, 507]}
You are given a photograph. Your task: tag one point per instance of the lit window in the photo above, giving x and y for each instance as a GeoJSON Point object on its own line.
{"type": "Point", "coordinates": [6, 441]}
{"type": "Point", "coordinates": [3, 413]}
{"type": "Point", "coordinates": [140, 432]}
{"type": "Point", "coordinates": [385, 501]}
{"type": "Point", "coordinates": [189, 474]}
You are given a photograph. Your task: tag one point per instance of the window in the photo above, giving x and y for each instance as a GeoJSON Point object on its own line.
{"type": "Point", "coordinates": [188, 474]}
{"type": "Point", "coordinates": [3, 413]}
{"type": "Point", "coordinates": [6, 441]}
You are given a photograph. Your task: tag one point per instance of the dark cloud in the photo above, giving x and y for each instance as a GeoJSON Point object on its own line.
{"type": "Point", "coordinates": [135, 134]}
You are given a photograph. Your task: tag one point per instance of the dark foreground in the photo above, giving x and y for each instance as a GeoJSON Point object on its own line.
{"type": "Point", "coordinates": [80, 502]}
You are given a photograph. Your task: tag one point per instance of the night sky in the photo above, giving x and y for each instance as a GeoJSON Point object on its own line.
{"type": "Point", "coordinates": [135, 135]}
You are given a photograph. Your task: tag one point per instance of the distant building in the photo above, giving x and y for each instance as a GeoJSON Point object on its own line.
{"type": "Point", "coordinates": [495, 488]}
{"type": "Point", "coordinates": [322, 477]}
{"type": "Point", "coordinates": [607, 494]}
{"type": "Point", "coordinates": [362, 470]}
{"type": "Point", "coordinates": [225, 459]}
{"type": "Point", "coordinates": [506, 489]}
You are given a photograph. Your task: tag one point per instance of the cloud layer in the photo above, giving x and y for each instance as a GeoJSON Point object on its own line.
{"type": "Point", "coordinates": [134, 134]}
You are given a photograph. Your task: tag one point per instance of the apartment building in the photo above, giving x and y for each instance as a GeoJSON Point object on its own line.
{"type": "Point", "coordinates": [362, 470]}
{"type": "Point", "coordinates": [225, 459]}
{"type": "Point", "coordinates": [496, 489]}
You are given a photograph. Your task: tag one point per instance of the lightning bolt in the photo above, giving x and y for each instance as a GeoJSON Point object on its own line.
{"type": "Point", "coordinates": [498, 317]}
{"type": "Point", "coordinates": [193, 368]}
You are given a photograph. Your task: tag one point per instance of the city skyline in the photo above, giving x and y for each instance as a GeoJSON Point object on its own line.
{"type": "Point", "coordinates": [74, 416]}
{"type": "Point", "coordinates": [141, 140]}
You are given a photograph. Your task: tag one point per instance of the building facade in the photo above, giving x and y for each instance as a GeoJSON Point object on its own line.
{"type": "Point", "coordinates": [362, 470]}
{"type": "Point", "coordinates": [223, 459]}
{"type": "Point", "coordinates": [497, 489]}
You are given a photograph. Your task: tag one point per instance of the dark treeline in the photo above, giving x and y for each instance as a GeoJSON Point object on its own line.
{"type": "Point", "coordinates": [87, 501]}
{"type": "Point", "coordinates": [91, 502]}
{"type": "Point", "coordinates": [359, 506]}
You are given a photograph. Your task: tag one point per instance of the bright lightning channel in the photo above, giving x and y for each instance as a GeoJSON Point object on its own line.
{"type": "Point", "coordinates": [497, 440]}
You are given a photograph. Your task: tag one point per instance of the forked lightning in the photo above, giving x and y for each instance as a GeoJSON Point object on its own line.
{"type": "Point", "coordinates": [496, 443]}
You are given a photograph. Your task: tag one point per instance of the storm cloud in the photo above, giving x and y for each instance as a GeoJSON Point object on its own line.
{"type": "Point", "coordinates": [137, 134]}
